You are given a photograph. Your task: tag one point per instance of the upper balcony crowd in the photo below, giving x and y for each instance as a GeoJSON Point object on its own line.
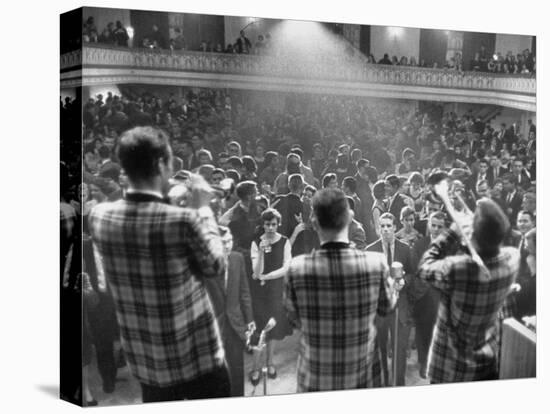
{"type": "Point", "coordinates": [115, 34]}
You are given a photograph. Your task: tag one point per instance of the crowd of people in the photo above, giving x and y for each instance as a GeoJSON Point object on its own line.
{"type": "Point", "coordinates": [523, 63]}
{"type": "Point", "coordinates": [265, 167]}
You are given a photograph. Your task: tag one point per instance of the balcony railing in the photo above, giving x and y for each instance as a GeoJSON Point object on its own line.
{"type": "Point", "coordinates": [307, 68]}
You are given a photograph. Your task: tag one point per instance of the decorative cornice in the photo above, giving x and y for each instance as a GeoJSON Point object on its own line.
{"type": "Point", "coordinates": [102, 65]}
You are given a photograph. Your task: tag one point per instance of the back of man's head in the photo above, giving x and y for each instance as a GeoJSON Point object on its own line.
{"type": "Point", "coordinates": [393, 180]}
{"type": "Point", "coordinates": [139, 152]}
{"type": "Point", "coordinates": [349, 184]}
{"type": "Point", "coordinates": [331, 209]}
{"type": "Point", "coordinates": [245, 190]}
{"type": "Point", "coordinates": [104, 152]}
{"type": "Point", "coordinates": [295, 183]}
{"type": "Point", "coordinates": [490, 227]}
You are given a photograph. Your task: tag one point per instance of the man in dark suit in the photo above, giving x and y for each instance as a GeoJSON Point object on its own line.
{"type": "Point", "coordinates": [512, 197]}
{"type": "Point", "coordinates": [394, 251]}
{"type": "Point", "coordinates": [396, 200]}
{"type": "Point", "coordinates": [521, 178]}
{"type": "Point", "coordinates": [155, 258]}
{"type": "Point", "coordinates": [364, 191]}
{"type": "Point", "coordinates": [349, 186]}
{"type": "Point", "coordinates": [483, 174]}
{"type": "Point", "coordinates": [426, 297]}
{"type": "Point", "coordinates": [187, 155]}
{"type": "Point", "coordinates": [290, 205]}
{"type": "Point", "coordinates": [432, 205]}
{"type": "Point", "coordinates": [496, 169]}
{"type": "Point", "coordinates": [230, 296]}
{"type": "Point", "coordinates": [522, 299]}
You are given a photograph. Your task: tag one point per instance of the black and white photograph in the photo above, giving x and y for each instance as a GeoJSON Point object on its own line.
{"type": "Point", "coordinates": [261, 206]}
{"type": "Point", "coordinates": [274, 206]}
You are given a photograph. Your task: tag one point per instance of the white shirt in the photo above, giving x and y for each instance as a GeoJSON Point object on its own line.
{"type": "Point", "coordinates": [147, 192]}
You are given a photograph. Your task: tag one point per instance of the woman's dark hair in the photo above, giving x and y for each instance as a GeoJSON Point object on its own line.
{"type": "Point", "coordinates": [297, 151]}
{"type": "Point", "coordinates": [235, 162]}
{"type": "Point", "coordinates": [269, 157]}
{"type": "Point", "coordinates": [416, 177]}
{"type": "Point", "coordinates": [249, 164]}
{"type": "Point", "coordinates": [379, 190]}
{"type": "Point", "coordinates": [234, 175]}
{"type": "Point", "coordinates": [291, 167]}
{"type": "Point", "coordinates": [310, 188]}
{"type": "Point", "coordinates": [140, 149]}
{"type": "Point", "coordinates": [406, 212]}
{"type": "Point", "coordinates": [327, 178]}
{"type": "Point", "coordinates": [269, 214]}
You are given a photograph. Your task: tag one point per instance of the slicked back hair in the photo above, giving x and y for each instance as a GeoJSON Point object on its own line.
{"type": "Point", "coordinates": [331, 209]}
{"type": "Point", "coordinates": [140, 149]}
{"type": "Point", "coordinates": [490, 227]}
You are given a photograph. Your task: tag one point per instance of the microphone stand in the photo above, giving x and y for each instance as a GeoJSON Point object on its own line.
{"type": "Point", "coordinates": [398, 277]}
{"type": "Point", "coordinates": [262, 344]}
{"type": "Point", "coordinates": [395, 342]}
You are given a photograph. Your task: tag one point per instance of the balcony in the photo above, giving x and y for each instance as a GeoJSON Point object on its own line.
{"type": "Point", "coordinates": [102, 65]}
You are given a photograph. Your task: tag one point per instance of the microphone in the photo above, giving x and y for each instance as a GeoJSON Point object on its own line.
{"type": "Point", "coordinates": [396, 272]}
{"type": "Point", "coordinates": [269, 325]}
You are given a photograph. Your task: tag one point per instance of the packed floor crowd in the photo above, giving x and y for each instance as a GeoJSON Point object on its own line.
{"type": "Point", "coordinates": [267, 164]}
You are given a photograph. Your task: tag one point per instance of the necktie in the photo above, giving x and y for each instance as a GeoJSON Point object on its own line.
{"type": "Point", "coordinates": [522, 245]}
{"type": "Point", "coordinates": [389, 255]}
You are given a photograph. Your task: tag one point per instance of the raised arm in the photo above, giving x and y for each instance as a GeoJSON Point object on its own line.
{"type": "Point", "coordinates": [204, 243]}
{"type": "Point", "coordinates": [435, 266]}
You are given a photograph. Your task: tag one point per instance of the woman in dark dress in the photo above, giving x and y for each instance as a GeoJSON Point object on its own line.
{"type": "Point", "coordinates": [271, 255]}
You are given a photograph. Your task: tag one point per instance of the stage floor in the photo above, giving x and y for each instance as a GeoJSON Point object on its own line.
{"type": "Point", "coordinates": [128, 390]}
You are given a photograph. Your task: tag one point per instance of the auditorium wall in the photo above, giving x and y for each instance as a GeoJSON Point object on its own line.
{"type": "Point", "coordinates": [398, 41]}
{"type": "Point", "coordinates": [433, 46]}
{"type": "Point", "coordinates": [198, 28]}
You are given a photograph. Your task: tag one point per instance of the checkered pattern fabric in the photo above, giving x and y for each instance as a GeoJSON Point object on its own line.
{"type": "Point", "coordinates": [154, 256]}
{"type": "Point", "coordinates": [465, 344]}
{"type": "Point", "coordinates": [68, 220]}
{"type": "Point", "coordinates": [333, 296]}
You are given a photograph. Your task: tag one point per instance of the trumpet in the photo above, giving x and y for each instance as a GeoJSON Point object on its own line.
{"type": "Point", "coordinates": [440, 187]}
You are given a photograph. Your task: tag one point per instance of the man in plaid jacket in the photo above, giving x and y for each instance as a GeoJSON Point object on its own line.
{"type": "Point", "coordinates": [155, 257]}
{"type": "Point", "coordinates": [466, 339]}
{"type": "Point", "coordinates": [333, 296]}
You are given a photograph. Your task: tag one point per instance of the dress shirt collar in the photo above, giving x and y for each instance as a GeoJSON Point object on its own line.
{"type": "Point", "coordinates": [335, 245]}
{"type": "Point", "coordinates": [143, 195]}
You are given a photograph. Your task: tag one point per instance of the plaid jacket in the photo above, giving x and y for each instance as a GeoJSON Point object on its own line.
{"type": "Point", "coordinates": [154, 257]}
{"type": "Point", "coordinates": [332, 296]}
{"type": "Point", "coordinates": [466, 339]}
